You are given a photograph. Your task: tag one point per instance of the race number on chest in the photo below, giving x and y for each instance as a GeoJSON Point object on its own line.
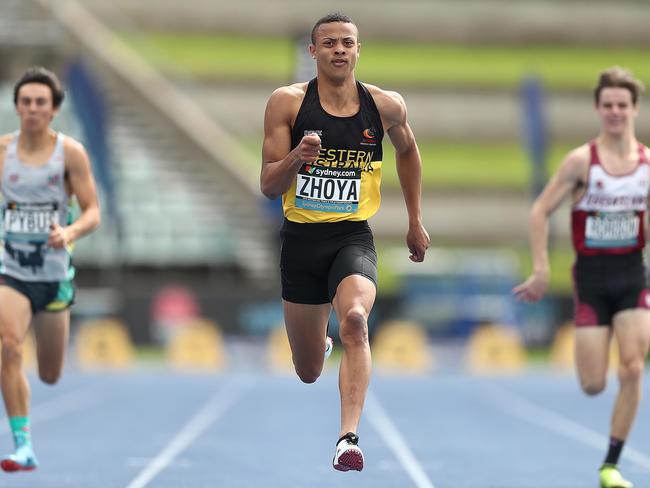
{"type": "Point", "coordinates": [328, 189]}
{"type": "Point", "coordinates": [29, 221]}
{"type": "Point", "coordinates": [612, 229]}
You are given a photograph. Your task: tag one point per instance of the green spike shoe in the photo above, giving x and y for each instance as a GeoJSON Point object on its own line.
{"type": "Point", "coordinates": [610, 477]}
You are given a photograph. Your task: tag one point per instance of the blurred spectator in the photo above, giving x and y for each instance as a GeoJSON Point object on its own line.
{"type": "Point", "coordinates": [172, 307]}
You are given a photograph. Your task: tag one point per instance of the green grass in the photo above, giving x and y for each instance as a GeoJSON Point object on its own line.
{"type": "Point", "coordinates": [226, 58]}
{"type": "Point", "coordinates": [559, 66]}
{"type": "Point", "coordinates": [471, 164]}
{"type": "Point", "coordinates": [394, 64]}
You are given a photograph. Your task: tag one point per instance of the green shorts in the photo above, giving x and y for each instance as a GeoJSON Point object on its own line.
{"type": "Point", "coordinates": [45, 296]}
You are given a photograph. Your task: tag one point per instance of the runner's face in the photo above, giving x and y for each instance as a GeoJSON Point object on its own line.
{"type": "Point", "coordinates": [34, 107]}
{"type": "Point", "coordinates": [616, 110]}
{"type": "Point", "coordinates": [336, 50]}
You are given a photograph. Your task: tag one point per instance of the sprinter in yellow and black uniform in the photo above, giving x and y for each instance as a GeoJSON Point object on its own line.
{"type": "Point", "coordinates": [322, 152]}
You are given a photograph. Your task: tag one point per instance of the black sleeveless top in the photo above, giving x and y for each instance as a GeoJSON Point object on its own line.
{"type": "Point", "coordinates": [343, 184]}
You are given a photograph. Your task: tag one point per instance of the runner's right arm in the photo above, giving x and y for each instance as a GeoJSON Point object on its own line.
{"type": "Point", "coordinates": [82, 184]}
{"type": "Point", "coordinates": [280, 163]}
{"type": "Point", "coordinates": [568, 177]}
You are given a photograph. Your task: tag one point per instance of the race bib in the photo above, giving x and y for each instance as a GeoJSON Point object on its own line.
{"type": "Point", "coordinates": [328, 189]}
{"type": "Point", "coordinates": [29, 221]}
{"type": "Point", "coordinates": [612, 230]}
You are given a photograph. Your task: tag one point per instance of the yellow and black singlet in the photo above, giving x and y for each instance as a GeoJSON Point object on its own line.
{"type": "Point", "coordinates": [343, 184]}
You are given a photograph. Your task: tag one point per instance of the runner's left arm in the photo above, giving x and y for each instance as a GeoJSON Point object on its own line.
{"type": "Point", "coordinates": [409, 170]}
{"type": "Point", "coordinates": [82, 184]}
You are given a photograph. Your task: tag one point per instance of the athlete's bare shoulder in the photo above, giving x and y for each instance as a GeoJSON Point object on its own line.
{"type": "Point", "coordinates": [386, 99]}
{"type": "Point", "coordinates": [646, 151]}
{"type": "Point", "coordinates": [580, 155]}
{"type": "Point", "coordinates": [390, 104]}
{"type": "Point", "coordinates": [5, 139]}
{"type": "Point", "coordinates": [71, 145]}
{"type": "Point", "coordinates": [284, 103]}
{"type": "Point", "coordinates": [576, 164]}
{"type": "Point", "coordinates": [75, 153]}
{"type": "Point", "coordinates": [289, 94]}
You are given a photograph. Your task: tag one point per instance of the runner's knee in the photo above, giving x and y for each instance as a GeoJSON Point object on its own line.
{"type": "Point", "coordinates": [354, 327]}
{"type": "Point", "coordinates": [49, 376]}
{"type": "Point", "coordinates": [12, 350]}
{"type": "Point", "coordinates": [631, 371]}
{"type": "Point", "coordinates": [308, 374]}
{"type": "Point", "coordinates": [592, 386]}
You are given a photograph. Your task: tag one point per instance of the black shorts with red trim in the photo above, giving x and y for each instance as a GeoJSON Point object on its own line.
{"type": "Point", "coordinates": [607, 284]}
{"type": "Point", "coordinates": [316, 257]}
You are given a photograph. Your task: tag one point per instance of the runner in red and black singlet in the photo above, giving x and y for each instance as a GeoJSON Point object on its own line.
{"type": "Point", "coordinates": [609, 181]}
{"type": "Point", "coordinates": [608, 228]}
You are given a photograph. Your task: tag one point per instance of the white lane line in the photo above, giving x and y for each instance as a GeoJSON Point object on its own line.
{"type": "Point", "coordinates": [56, 407]}
{"type": "Point", "coordinates": [382, 423]}
{"type": "Point", "coordinates": [215, 407]}
{"type": "Point", "coordinates": [518, 406]}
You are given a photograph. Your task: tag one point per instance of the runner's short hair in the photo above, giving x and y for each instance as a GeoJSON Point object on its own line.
{"type": "Point", "coordinates": [617, 77]}
{"type": "Point", "coordinates": [38, 74]}
{"type": "Point", "coordinates": [329, 18]}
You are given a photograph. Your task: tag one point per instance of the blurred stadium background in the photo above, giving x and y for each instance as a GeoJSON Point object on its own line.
{"type": "Point", "coordinates": [169, 99]}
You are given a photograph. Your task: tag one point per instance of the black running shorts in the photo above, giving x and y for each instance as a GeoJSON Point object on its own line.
{"type": "Point", "coordinates": [315, 258]}
{"type": "Point", "coordinates": [607, 284]}
{"type": "Point", "coordinates": [44, 296]}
